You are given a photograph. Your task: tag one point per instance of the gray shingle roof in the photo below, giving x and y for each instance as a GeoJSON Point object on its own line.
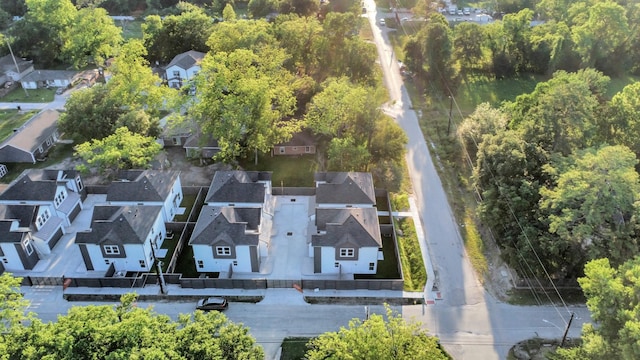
{"type": "Point", "coordinates": [120, 225]}
{"type": "Point", "coordinates": [355, 226]}
{"type": "Point", "coordinates": [7, 64]}
{"type": "Point", "coordinates": [34, 132]}
{"type": "Point", "coordinates": [238, 187]}
{"type": "Point", "coordinates": [345, 188]}
{"type": "Point", "coordinates": [8, 236]}
{"type": "Point", "coordinates": [24, 214]}
{"type": "Point", "coordinates": [44, 75]}
{"type": "Point", "coordinates": [26, 189]}
{"type": "Point", "coordinates": [187, 59]}
{"type": "Point", "coordinates": [142, 185]}
{"type": "Point", "coordinates": [226, 224]}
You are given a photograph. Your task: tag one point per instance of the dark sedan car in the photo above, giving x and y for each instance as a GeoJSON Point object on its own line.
{"type": "Point", "coordinates": [212, 303]}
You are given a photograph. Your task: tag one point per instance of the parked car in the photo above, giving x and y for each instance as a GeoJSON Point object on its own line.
{"type": "Point", "coordinates": [212, 303]}
{"type": "Point", "coordinates": [60, 90]}
{"type": "Point", "coordinates": [382, 22]}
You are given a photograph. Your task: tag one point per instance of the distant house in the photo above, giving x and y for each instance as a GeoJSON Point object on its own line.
{"type": "Point", "coordinates": [344, 189]}
{"type": "Point", "coordinates": [122, 236]}
{"type": "Point", "coordinates": [33, 140]}
{"type": "Point", "coordinates": [347, 240]}
{"type": "Point", "coordinates": [62, 190]}
{"type": "Point", "coordinates": [48, 78]}
{"type": "Point", "coordinates": [240, 188]}
{"type": "Point", "coordinates": [183, 68]}
{"type": "Point", "coordinates": [201, 147]}
{"type": "Point", "coordinates": [148, 187]}
{"type": "Point", "coordinates": [227, 238]}
{"type": "Point", "coordinates": [8, 70]}
{"type": "Point", "coordinates": [301, 143]}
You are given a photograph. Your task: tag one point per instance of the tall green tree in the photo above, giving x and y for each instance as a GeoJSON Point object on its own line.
{"type": "Point", "coordinates": [92, 39]}
{"type": "Point", "coordinates": [468, 42]}
{"type": "Point", "coordinates": [244, 100]}
{"type": "Point", "coordinates": [625, 117]}
{"type": "Point", "coordinates": [250, 35]}
{"type": "Point", "coordinates": [122, 150]}
{"type": "Point", "coordinates": [12, 303]}
{"type": "Point", "coordinates": [601, 36]}
{"type": "Point", "coordinates": [612, 299]}
{"type": "Point", "coordinates": [377, 338]}
{"type": "Point", "coordinates": [484, 121]}
{"type": "Point", "coordinates": [594, 203]}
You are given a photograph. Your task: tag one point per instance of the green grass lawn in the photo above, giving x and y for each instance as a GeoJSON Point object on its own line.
{"type": "Point", "coordinates": [294, 348]}
{"type": "Point", "coordinates": [387, 268]}
{"type": "Point", "coordinates": [187, 202]}
{"type": "Point", "coordinates": [12, 119]}
{"type": "Point", "coordinates": [34, 96]}
{"type": "Point", "coordinates": [617, 84]}
{"type": "Point", "coordinates": [131, 29]}
{"type": "Point", "coordinates": [288, 171]}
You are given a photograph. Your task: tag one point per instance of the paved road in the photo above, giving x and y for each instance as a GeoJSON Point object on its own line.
{"type": "Point", "coordinates": [470, 322]}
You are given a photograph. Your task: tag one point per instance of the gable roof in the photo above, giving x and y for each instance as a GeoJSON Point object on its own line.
{"type": "Point", "coordinates": [44, 75]}
{"type": "Point", "coordinates": [301, 138]}
{"type": "Point", "coordinates": [142, 185]}
{"type": "Point", "coordinates": [120, 225]}
{"type": "Point", "coordinates": [344, 188]}
{"type": "Point", "coordinates": [197, 141]}
{"type": "Point", "coordinates": [8, 236]}
{"type": "Point", "coordinates": [355, 226]}
{"type": "Point", "coordinates": [23, 214]}
{"type": "Point", "coordinates": [187, 59]}
{"type": "Point", "coordinates": [7, 64]}
{"type": "Point", "coordinates": [238, 186]}
{"type": "Point", "coordinates": [226, 224]}
{"type": "Point", "coordinates": [31, 185]}
{"type": "Point", "coordinates": [34, 132]}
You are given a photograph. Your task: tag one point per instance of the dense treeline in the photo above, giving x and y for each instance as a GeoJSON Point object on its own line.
{"type": "Point", "coordinates": [556, 168]}
{"type": "Point", "coordinates": [572, 35]}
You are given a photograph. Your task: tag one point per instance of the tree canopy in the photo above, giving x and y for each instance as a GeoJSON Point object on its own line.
{"type": "Point", "coordinates": [377, 338]}
{"type": "Point", "coordinates": [126, 331]}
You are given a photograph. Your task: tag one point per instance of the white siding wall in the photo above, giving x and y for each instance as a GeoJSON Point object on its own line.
{"type": "Point", "coordinates": [169, 210]}
{"type": "Point", "coordinates": [29, 84]}
{"type": "Point", "coordinates": [343, 205]}
{"type": "Point", "coordinates": [13, 260]}
{"type": "Point", "coordinates": [361, 266]}
{"type": "Point", "coordinates": [211, 264]}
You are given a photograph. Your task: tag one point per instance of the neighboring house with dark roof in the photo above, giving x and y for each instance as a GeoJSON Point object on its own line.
{"type": "Point", "coordinates": [48, 78]}
{"type": "Point", "coordinates": [240, 189]}
{"type": "Point", "coordinates": [62, 190]}
{"type": "Point", "coordinates": [148, 187]}
{"type": "Point", "coordinates": [122, 236]}
{"type": "Point", "coordinates": [201, 147]}
{"type": "Point", "coordinates": [8, 70]}
{"type": "Point", "coordinates": [33, 140]}
{"type": "Point", "coordinates": [344, 189]}
{"type": "Point", "coordinates": [228, 239]}
{"type": "Point", "coordinates": [301, 143]}
{"type": "Point", "coordinates": [26, 233]}
{"type": "Point", "coordinates": [347, 240]}
{"type": "Point", "coordinates": [183, 68]}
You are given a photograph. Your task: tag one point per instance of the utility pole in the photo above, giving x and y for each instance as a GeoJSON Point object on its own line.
{"type": "Point", "coordinates": [16, 64]}
{"type": "Point", "coordinates": [566, 331]}
{"type": "Point", "coordinates": [450, 109]}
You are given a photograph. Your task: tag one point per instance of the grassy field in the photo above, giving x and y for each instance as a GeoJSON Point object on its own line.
{"type": "Point", "coordinates": [131, 29]}
{"type": "Point", "coordinates": [12, 119]}
{"type": "Point", "coordinates": [34, 96]}
{"type": "Point", "coordinates": [288, 171]}
{"type": "Point", "coordinates": [294, 348]}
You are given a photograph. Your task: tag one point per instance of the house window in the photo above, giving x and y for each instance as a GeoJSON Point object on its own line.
{"type": "Point", "coordinates": [60, 198]}
{"type": "Point", "coordinates": [4, 260]}
{"type": "Point", "coordinates": [142, 263]}
{"type": "Point", "coordinates": [176, 74]}
{"type": "Point", "coordinates": [111, 249]}
{"type": "Point", "coordinates": [28, 248]}
{"type": "Point", "coordinates": [336, 264]}
{"type": "Point", "coordinates": [42, 219]}
{"type": "Point", "coordinates": [372, 266]}
{"type": "Point", "coordinates": [40, 149]}
{"type": "Point", "coordinates": [295, 148]}
{"type": "Point", "coordinates": [235, 263]}
{"type": "Point", "coordinates": [347, 252]}
{"type": "Point", "coordinates": [106, 261]}
{"type": "Point", "coordinates": [79, 183]}
{"type": "Point", "coordinates": [48, 142]}
{"type": "Point", "coordinates": [223, 250]}
{"type": "Point", "coordinates": [176, 141]}
{"type": "Point", "coordinates": [282, 150]}
{"type": "Point", "coordinates": [307, 149]}
{"type": "Point", "coordinates": [200, 264]}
